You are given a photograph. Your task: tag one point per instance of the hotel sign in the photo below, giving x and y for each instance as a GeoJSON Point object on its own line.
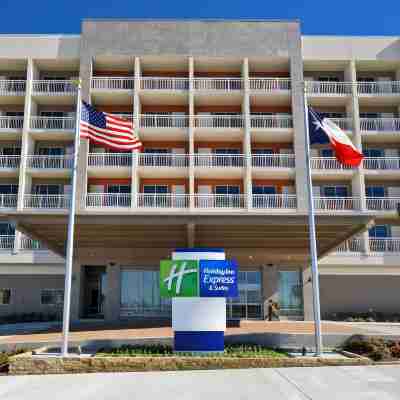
{"type": "Point", "coordinates": [204, 278]}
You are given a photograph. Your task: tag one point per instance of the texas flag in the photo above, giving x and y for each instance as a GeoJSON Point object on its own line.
{"type": "Point", "coordinates": [323, 131]}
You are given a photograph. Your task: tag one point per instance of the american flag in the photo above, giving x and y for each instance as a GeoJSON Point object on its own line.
{"type": "Point", "coordinates": [107, 129]}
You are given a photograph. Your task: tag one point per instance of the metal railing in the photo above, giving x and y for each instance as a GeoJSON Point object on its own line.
{"type": "Point", "coordinates": [10, 161]}
{"type": "Point", "coordinates": [108, 200]}
{"type": "Point", "coordinates": [12, 87]}
{"type": "Point", "coordinates": [53, 123]}
{"type": "Point", "coordinates": [354, 245]}
{"type": "Point", "coordinates": [51, 162]}
{"type": "Point", "coordinates": [109, 159]}
{"type": "Point", "coordinates": [219, 201]}
{"type": "Point", "coordinates": [48, 201]}
{"type": "Point", "coordinates": [328, 163]}
{"type": "Point", "coordinates": [378, 88]}
{"type": "Point", "coordinates": [336, 203]}
{"type": "Point", "coordinates": [163, 160]}
{"type": "Point", "coordinates": [28, 243]}
{"type": "Point", "coordinates": [218, 160]}
{"type": "Point", "coordinates": [160, 83]}
{"type": "Point", "coordinates": [381, 163]}
{"type": "Point", "coordinates": [271, 122]}
{"type": "Point", "coordinates": [380, 124]}
{"type": "Point", "coordinates": [7, 242]}
{"type": "Point", "coordinates": [223, 84]}
{"type": "Point", "coordinates": [50, 87]}
{"type": "Point", "coordinates": [384, 245]}
{"type": "Point", "coordinates": [270, 84]}
{"type": "Point", "coordinates": [169, 200]}
{"type": "Point", "coordinates": [11, 123]}
{"type": "Point", "coordinates": [323, 88]}
{"type": "Point", "coordinates": [343, 123]}
{"type": "Point", "coordinates": [273, 160]}
{"type": "Point", "coordinates": [113, 83]}
{"type": "Point", "coordinates": [218, 121]}
{"type": "Point", "coordinates": [274, 201]}
{"type": "Point", "coordinates": [8, 200]}
{"type": "Point", "coordinates": [163, 121]}
{"type": "Point", "coordinates": [382, 203]}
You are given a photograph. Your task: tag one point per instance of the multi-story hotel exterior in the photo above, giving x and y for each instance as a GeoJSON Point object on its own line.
{"type": "Point", "coordinates": [219, 108]}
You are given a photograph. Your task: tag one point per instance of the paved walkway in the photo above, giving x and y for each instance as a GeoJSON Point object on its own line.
{"type": "Point", "coordinates": [344, 383]}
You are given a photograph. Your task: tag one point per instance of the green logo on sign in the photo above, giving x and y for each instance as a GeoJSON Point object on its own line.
{"type": "Point", "coordinates": [179, 278]}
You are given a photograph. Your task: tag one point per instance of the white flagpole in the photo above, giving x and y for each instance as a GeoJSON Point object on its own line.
{"type": "Point", "coordinates": [71, 227]}
{"type": "Point", "coordinates": [312, 234]}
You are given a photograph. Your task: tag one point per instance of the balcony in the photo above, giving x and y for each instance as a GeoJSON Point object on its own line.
{"type": "Point", "coordinates": [47, 202]}
{"type": "Point", "coordinates": [220, 201]}
{"type": "Point", "coordinates": [219, 160]}
{"type": "Point", "coordinates": [218, 84]}
{"type": "Point", "coordinates": [28, 243]}
{"type": "Point", "coordinates": [53, 88]}
{"type": "Point", "coordinates": [336, 204]}
{"type": "Point", "coordinates": [7, 242]}
{"type": "Point", "coordinates": [270, 85]}
{"type": "Point", "coordinates": [112, 83]}
{"type": "Point", "coordinates": [158, 127]}
{"type": "Point", "coordinates": [164, 84]}
{"type": "Point", "coordinates": [382, 163]}
{"type": "Point", "coordinates": [383, 203]}
{"type": "Point", "coordinates": [108, 200]}
{"type": "Point", "coordinates": [219, 121]}
{"type": "Point", "coordinates": [354, 245]}
{"type": "Point", "coordinates": [328, 93]}
{"type": "Point", "coordinates": [163, 160]}
{"type": "Point", "coordinates": [49, 162]}
{"type": "Point", "coordinates": [12, 88]}
{"type": "Point", "coordinates": [344, 123]}
{"type": "Point", "coordinates": [8, 200]}
{"type": "Point", "coordinates": [276, 127]}
{"type": "Point", "coordinates": [60, 127]}
{"type": "Point", "coordinates": [384, 245]}
{"type": "Point", "coordinates": [273, 160]}
{"type": "Point", "coordinates": [329, 164]}
{"type": "Point", "coordinates": [383, 88]}
{"type": "Point", "coordinates": [9, 162]}
{"type": "Point", "coordinates": [112, 90]}
{"type": "Point", "coordinates": [380, 128]}
{"type": "Point", "coordinates": [109, 160]}
{"type": "Point", "coordinates": [274, 201]}
{"type": "Point", "coordinates": [11, 127]}
{"type": "Point", "coordinates": [170, 200]}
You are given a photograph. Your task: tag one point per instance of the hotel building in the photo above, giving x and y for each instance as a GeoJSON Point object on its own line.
{"type": "Point", "coordinates": [219, 107]}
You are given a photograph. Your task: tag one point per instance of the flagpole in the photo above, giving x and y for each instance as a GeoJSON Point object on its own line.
{"type": "Point", "coordinates": [71, 227]}
{"type": "Point", "coordinates": [312, 234]}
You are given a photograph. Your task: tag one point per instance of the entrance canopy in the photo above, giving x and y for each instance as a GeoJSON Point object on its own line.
{"type": "Point", "coordinates": [278, 238]}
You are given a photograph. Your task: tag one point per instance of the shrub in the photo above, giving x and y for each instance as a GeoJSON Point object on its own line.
{"type": "Point", "coordinates": [375, 348]}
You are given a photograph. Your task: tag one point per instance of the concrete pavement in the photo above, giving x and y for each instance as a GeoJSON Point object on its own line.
{"type": "Point", "coordinates": [353, 383]}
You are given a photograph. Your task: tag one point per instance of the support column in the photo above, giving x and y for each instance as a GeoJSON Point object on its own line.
{"type": "Point", "coordinates": [270, 284]}
{"type": "Point", "coordinates": [308, 307]}
{"type": "Point", "coordinates": [113, 293]}
{"type": "Point", "coordinates": [191, 136]}
{"type": "Point", "coordinates": [77, 292]}
{"type": "Point", "coordinates": [136, 122]}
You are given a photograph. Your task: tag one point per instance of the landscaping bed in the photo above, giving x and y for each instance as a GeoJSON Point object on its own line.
{"type": "Point", "coordinates": [5, 359]}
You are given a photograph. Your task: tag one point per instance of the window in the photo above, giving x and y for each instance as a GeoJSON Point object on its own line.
{"type": "Point", "coordinates": [375, 191]}
{"type": "Point", "coordinates": [5, 296]}
{"type": "Point", "coordinates": [380, 231]}
{"type": "Point", "coordinates": [155, 189]}
{"type": "Point", "coordinates": [7, 229]}
{"type": "Point", "coordinates": [51, 151]}
{"type": "Point", "coordinates": [8, 189]}
{"type": "Point", "coordinates": [328, 79]}
{"type": "Point", "coordinates": [227, 189]}
{"type": "Point", "coordinates": [53, 114]}
{"type": "Point", "coordinates": [47, 190]}
{"type": "Point", "coordinates": [258, 189]}
{"type": "Point", "coordinates": [327, 153]}
{"type": "Point", "coordinates": [290, 293]}
{"type": "Point", "coordinates": [123, 189]}
{"type": "Point", "coordinates": [227, 161]}
{"type": "Point", "coordinates": [52, 297]}
{"type": "Point", "coordinates": [335, 191]}
{"type": "Point", "coordinates": [156, 196]}
{"type": "Point", "coordinates": [374, 153]}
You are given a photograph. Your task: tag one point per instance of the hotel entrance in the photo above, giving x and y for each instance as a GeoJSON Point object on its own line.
{"type": "Point", "coordinates": [94, 289]}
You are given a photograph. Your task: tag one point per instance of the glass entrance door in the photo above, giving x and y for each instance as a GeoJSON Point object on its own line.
{"type": "Point", "coordinates": [94, 292]}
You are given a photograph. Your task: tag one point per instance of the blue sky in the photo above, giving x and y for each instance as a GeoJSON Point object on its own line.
{"type": "Point", "coordinates": [340, 17]}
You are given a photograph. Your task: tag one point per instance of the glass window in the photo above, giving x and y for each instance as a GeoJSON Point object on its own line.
{"type": "Point", "coordinates": [6, 229]}
{"type": "Point", "coordinates": [290, 293]}
{"type": "Point", "coordinates": [51, 151]}
{"type": "Point", "coordinates": [264, 189]}
{"type": "Point", "coordinates": [5, 296]}
{"type": "Point", "coordinates": [52, 297]}
{"type": "Point", "coordinates": [374, 153]}
{"type": "Point", "coordinates": [155, 189]}
{"type": "Point", "coordinates": [48, 189]}
{"type": "Point", "coordinates": [380, 231]}
{"type": "Point", "coordinates": [227, 189]}
{"type": "Point", "coordinates": [375, 191]}
{"type": "Point", "coordinates": [119, 189]}
{"type": "Point", "coordinates": [335, 191]}
{"type": "Point", "coordinates": [327, 153]}
{"type": "Point", "coordinates": [8, 189]}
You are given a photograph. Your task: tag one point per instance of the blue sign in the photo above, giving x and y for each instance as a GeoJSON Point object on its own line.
{"type": "Point", "coordinates": [218, 278]}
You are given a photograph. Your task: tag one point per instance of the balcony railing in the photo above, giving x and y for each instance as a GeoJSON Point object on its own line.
{"type": "Point", "coordinates": [380, 124]}
{"type": "Point", "coordinates": [385, 163]}
{"type": "Point", "coordinates": [269, 84]}
{"type": "Point", "coordinates": [53, 123]}
{"type": "Point", "coordinates": [271, 122]}
{"type": "Point", "coordinates": [325, 163]}
{"type": "Point", "coordinates": [384, 245]}
{"type": "Point", "coordinates": [156, 83]}
{"type": "Point", "coordinates": [343, 123]}
{"type": "Point", "coordinates": [383, 203]}
{"type": "Point", "coordinates": [218, 160]}
{"type": "Point", "coordinates": [9, 161]}
{"type": "Point", "coordinates": [378, 88]}
{"type": "Point", "coordinates": [8, 200]}
{"type": "Point", "coordinates": [49, 201]}
{"type": "Point", "coordinates": [219, 201]}
{"type": "Point", "coordinates": [51, 88]}
{"type": "Point", "coordinates": [108, 200]}
{"type": "Point", "coordinates": [218, 84]}
{"type": "Point", "coordinates": [7, 123]}
{"type": "Point", "coordinates": [28, 243]}
{"type": "Point", "coordinates": [336, 203]}
{"type": "Point", "coordinates": [328, 88]}
{"type": "Point", "coordinates": [163, 160]}
{"type": "Point", "coordinates": [12, 87]}
{"type": "Point", "coordinates": [112, 160]}
{"type": "Point", "coordinates": [274, 201]}
{"type": "Point", "coordinates": [168, 200]}
{"type": "Point", "coordinates": [50, 162]}
{"type": "Point", "coordinates": [218, 121]}
{"type": "Point", "coordinates": [273, 160]}
{"type": "Point", "coordinates": [163, 121]}
{"type": "Point", "coordinates": [113, 83]}
{"type": "Point", "coordinates": [7, 242]}
{"type": "Point", "coordinates": [355, 245]}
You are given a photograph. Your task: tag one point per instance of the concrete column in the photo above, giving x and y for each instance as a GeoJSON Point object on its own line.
{"type": "Point", "coordinates": [113, 290]}
{"type": "Point", "coordinates": [17, 242]}
{"type": "Point", "coordinates": [248, 187]}
{"type": "Point", "coordinates": [270, 285]}
{"type": "Point", "coordinates": [136, 122]}
{"type": "Point", "coordinates": [308, 307]}
{"type": "Point", "coordinates": [77, 291]}
{"type": "Point", "coordinates": [191, 135]}
{"type": "Point", "coordinates": [24, 183]}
